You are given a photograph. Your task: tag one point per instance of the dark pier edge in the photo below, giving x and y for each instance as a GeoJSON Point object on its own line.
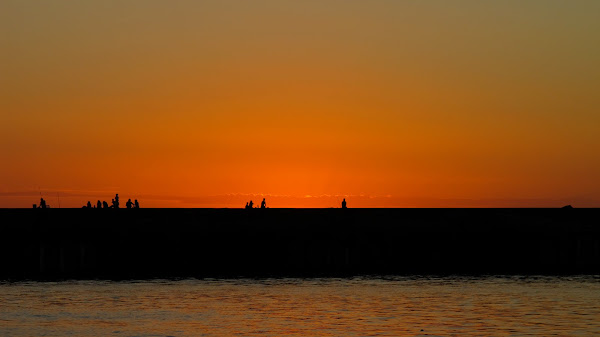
{"type": "Point", "coordinates": [148, 243]}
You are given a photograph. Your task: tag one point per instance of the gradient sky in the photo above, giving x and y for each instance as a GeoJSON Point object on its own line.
{"type": "Point", "coordinates": [387, 103]}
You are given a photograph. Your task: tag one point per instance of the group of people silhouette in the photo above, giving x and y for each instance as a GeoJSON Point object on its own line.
{"type": "Point", "coordinates": [103, 204]}
{"type": "Point", "coordinates": [263, 204]}
{"type": "Point", "coordinates": [250, 204]}
{"type": "Point", "coordinates": [115, 203]}
{"type": "Point", "coordinates": [136, 204]}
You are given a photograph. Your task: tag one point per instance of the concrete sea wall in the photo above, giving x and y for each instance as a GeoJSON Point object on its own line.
{"type": "Point", "coordinates": [148, 243]}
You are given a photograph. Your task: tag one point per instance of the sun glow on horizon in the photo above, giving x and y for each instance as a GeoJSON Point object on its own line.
{"type": "Point", "coordinates": [394, 104]}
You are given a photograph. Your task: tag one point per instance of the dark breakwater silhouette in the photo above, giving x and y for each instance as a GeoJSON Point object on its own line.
{"type": "Point", "coordinates": [149, 243]}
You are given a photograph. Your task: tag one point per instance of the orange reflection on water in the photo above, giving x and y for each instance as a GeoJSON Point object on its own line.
{"type": "Point", "coordinates": [399, 306]}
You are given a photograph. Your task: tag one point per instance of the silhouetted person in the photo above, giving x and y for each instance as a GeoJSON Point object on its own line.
{"type": "Point", "coordinates": [42, 203]}
{"type": "Point", "coordinates": [263, 204]}
{"type": "Point", "coordinates": [129, 203]}
{"type": "Point", "coordinates": [89, 205]}
{"type": "Point", "coordinates": [104, 204]}
{"type": "Point", "coordinates": [98, 204]}
{"type": "Point", "coordinates": [136, 204]}
{"type": "Point", "coordinates": [116, 201]}
{"type": "Point", "coordinates": [245, 207]}
{"type": "Point", "coordinates": [112, 203]}
{"type": "Point", "coordinates": [251, 204]}
{"type": "Point", "coordinates": [344, 203]}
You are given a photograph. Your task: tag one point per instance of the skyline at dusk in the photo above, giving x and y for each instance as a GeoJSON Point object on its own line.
{"type": "Point", "coordinates": [384, 103]}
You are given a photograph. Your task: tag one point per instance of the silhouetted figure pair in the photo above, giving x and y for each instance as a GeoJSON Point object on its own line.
{"type": "Point", "coordinates": [250, 204]}
{"type": "Point", "coordinates": [43, 203]}
{"type": "Point", "coordinates": [115, 201]}
{"type": "Point", "coordinates": [343, 203]}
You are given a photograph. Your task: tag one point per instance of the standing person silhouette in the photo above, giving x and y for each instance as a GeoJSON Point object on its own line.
{"type": "Point", "coordinates": [344, 203]}
{"type": "Point", "coordinates": [263, 204]}
{"type": "Point", "coordinates": [136, 204]}
{"type": "Point", "coordinates": [116, 201]}
{"type": "Point", "coordinates": [129, 203]}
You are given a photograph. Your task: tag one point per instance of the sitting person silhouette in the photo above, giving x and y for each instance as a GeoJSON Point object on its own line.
{"type": "Point", "coordinates": [104, 204]}
{"type": "Point", "coordinates": [98, 204]}
{"type": "Point", "coordinates": [263, 204]}
{"type": "Point", "coordinates": [246, 207]}
{"type": "Point", "coordinates": [129, 203]}
{"type": "Point", "coordinates": [136, 204]}
{"type": "Point", "coordinates": [250, 204]}
{"type": "Point", "coordinates": [344, 203]}
{"type": "Point", "coordinates": [89, 205]}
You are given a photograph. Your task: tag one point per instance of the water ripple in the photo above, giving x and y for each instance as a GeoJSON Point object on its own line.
{"type": "Point", "coordinates": [362, 306]}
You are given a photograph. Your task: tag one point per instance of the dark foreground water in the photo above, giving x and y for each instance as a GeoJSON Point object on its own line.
{"type": "Point", "coordinates": [396, 306]}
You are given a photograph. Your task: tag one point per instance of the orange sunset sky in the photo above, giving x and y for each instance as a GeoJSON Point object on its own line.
{"type": "Point", "coordinates": [386, 103]}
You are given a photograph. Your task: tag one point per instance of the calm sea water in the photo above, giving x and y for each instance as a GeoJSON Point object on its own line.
{"type": "Point", "coordinates": [395, 306]}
